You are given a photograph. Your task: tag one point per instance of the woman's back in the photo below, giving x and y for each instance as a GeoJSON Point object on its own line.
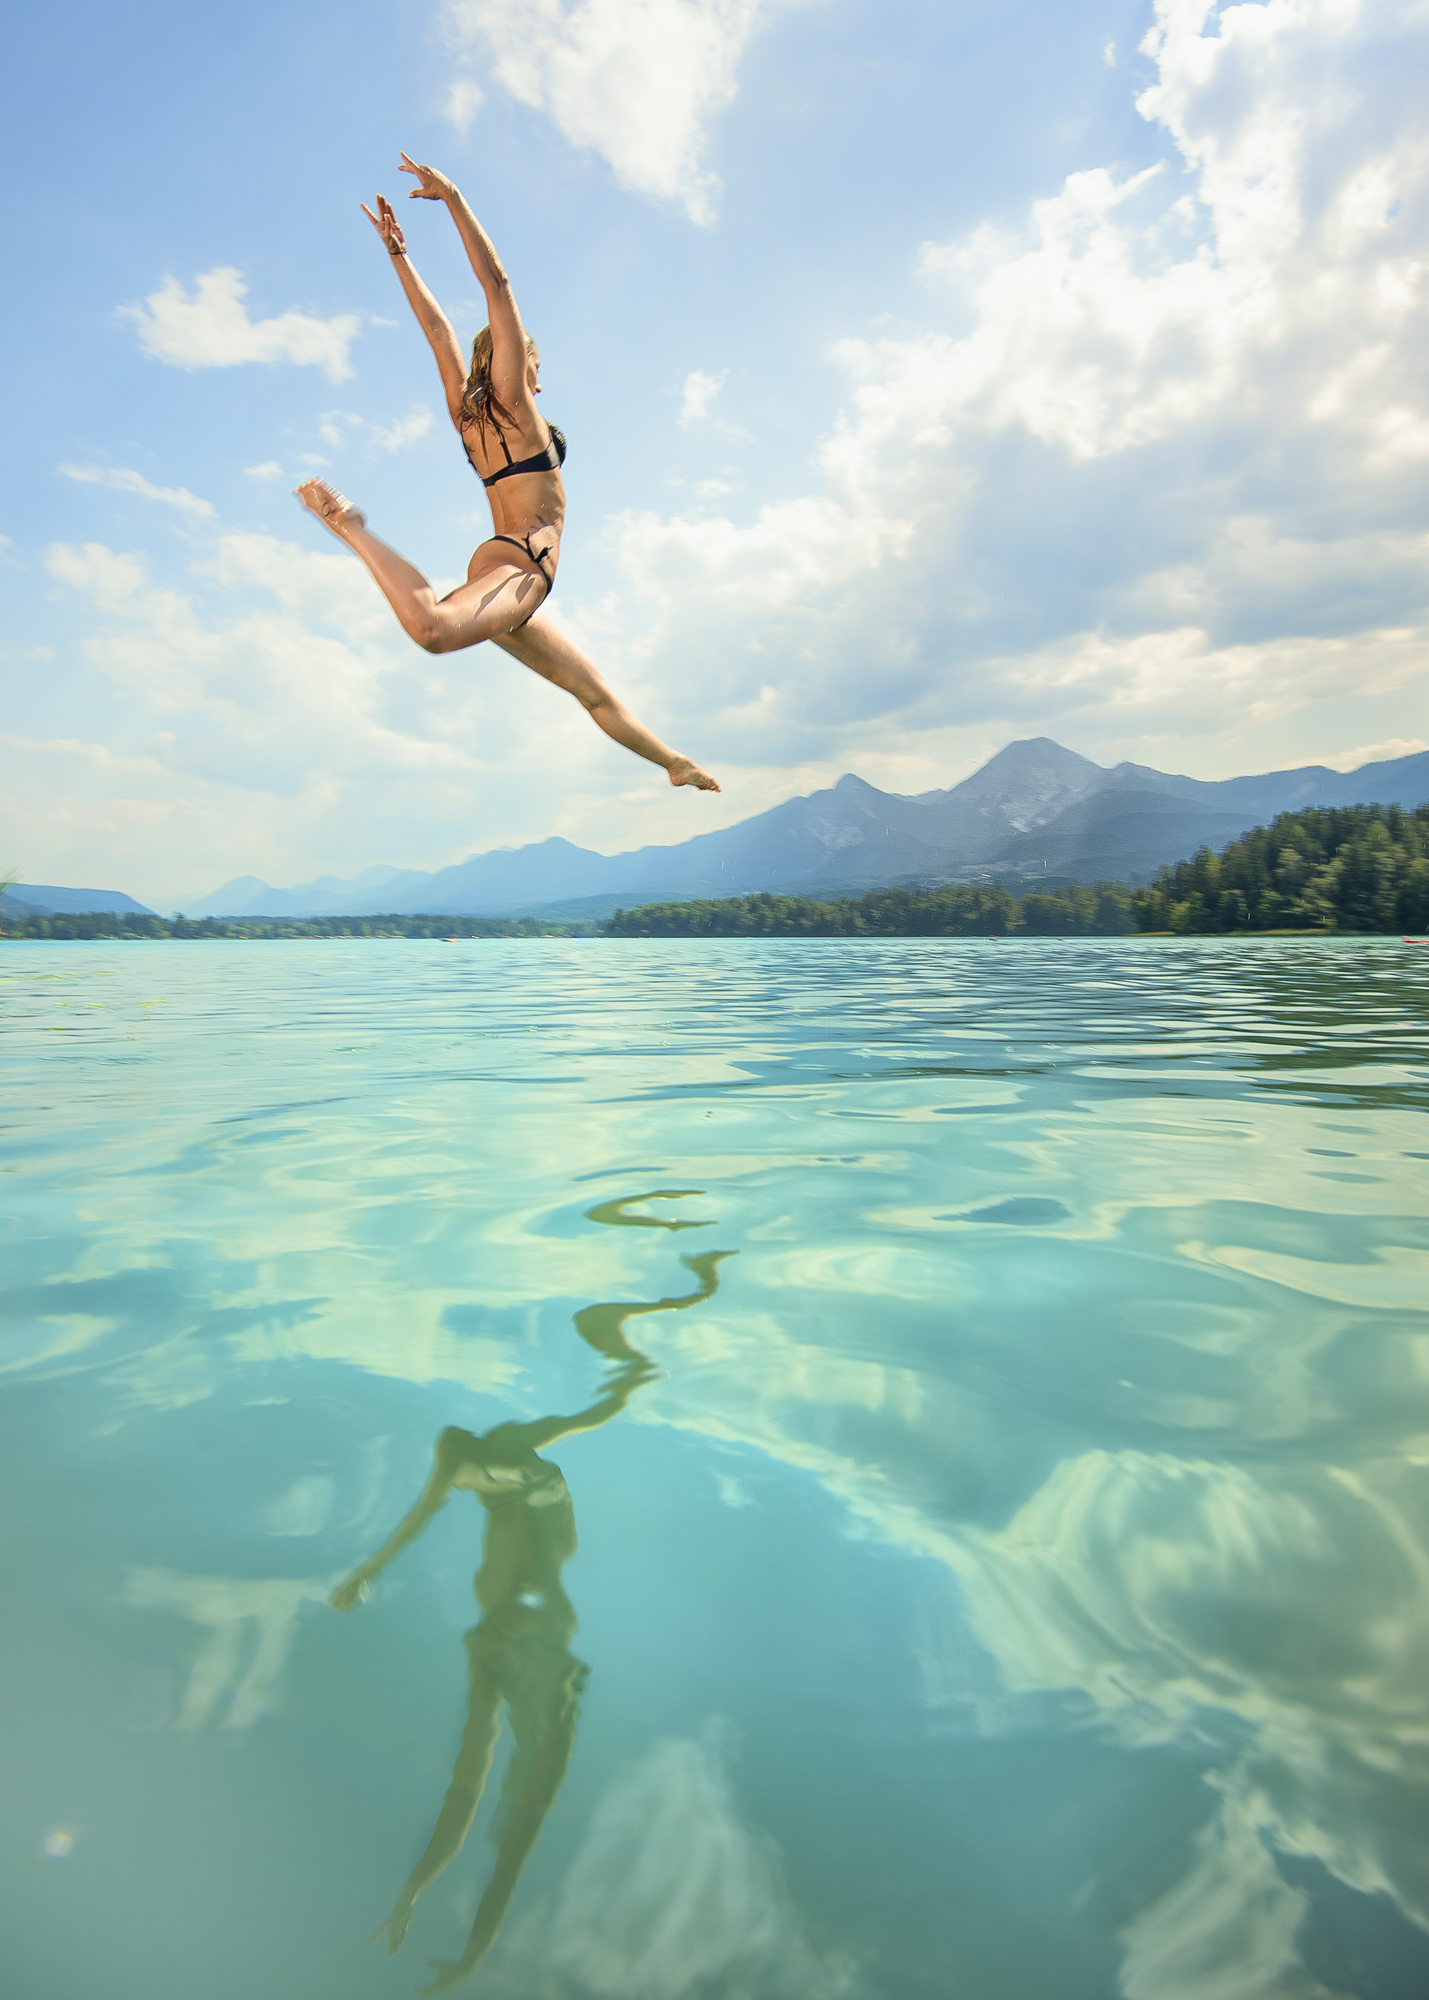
{"type": "Point", "coordinates": [520, 469]}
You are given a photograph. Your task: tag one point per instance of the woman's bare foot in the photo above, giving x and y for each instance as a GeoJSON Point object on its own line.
{"type": "Point", "coordinates": [331, 508]}
{"type": "Point", "coordinates": [684, 772]}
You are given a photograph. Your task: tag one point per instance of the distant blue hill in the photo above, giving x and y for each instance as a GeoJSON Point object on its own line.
{"type": "Point", "coordinates": [39, 899]}
{"type": "Point", "coordinates": [1034, 812]}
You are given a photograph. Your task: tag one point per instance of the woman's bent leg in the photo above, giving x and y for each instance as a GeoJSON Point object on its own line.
{"type": "Point", "coordinates": [545, 649]}
{"type": "Point", "coordinates": [476, 611]}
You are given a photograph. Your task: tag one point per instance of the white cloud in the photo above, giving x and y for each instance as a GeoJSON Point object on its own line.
{"type": "Point", "coordinates": [636, 81]}
{"type": "Point", "coordinates": [1376, 753]}
{"type": "Point", "coordinates": [270, 469]}
{"type": "Point", "coordinates": [212, 329]}
{"type": "Point", "coordinates": [699, 393]}
{"type": "Point", "coordinates": [464, 100]}
{"type": "Point", "coordinates": [1181, 412]}
{"type": "Point", "coordinates": [1145, 479]}
{"type": "Point", "coordinates": [334, 427]}
{"type": "Point", "coordinates": [135, 482]}
{"type": "Point", "coordinates": [109, 578]}
{"type": "Point", "coordinates": [397, 435]}
{"type": "Point", "coordinates": [272, 709]}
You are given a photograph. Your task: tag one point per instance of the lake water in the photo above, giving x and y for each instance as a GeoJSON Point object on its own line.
{"type": "Point", "coordinates": [1002, 1391]}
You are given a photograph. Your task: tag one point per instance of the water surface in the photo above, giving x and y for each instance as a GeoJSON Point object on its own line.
{"type": "Point", "coordinates": [990, 1390]}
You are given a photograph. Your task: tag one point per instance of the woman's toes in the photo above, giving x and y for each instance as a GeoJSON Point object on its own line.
{"type": "Point", "coordinates": [332, 508]}
{"type": "Point", "coordinates": [684, 771]}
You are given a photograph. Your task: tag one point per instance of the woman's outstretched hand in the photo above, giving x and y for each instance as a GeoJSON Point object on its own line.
{"type": "Point", "coordinates": [434, 186]}
{"type": "Point", "coordinates": [387, 226]}
{"type": "Point", "coordinates": [353, 1591]}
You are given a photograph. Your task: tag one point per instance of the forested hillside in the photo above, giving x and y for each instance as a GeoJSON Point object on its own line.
{"type": "Point", "coordinates": [1331, 868]}
{"type": "Point", "coordinates": [1104, 910]}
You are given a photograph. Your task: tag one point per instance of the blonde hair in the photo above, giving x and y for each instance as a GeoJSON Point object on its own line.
{"type": "Point", "coordinates": [480, 403]}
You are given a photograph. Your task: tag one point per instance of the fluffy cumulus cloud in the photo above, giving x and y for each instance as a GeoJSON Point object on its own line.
{"type": "Point", "coordinates": [698, 395]}
{"type": "Point", "coordinates": [269, 705]}
{"type": "Point", "coordinates": [124, 481]}
{"type": "Point", "coordinates": [211, 329]}
{"type": "Point", "coordinates": [1372, 753]}
{"type": "Point", "coordinates": [338, 426]}
{"type": "Point", "coordinates": [636, 81]}
{"type": "Point", "coordinates": [1148, 478]}
{"type": "Point", "coordinates": [1156, 457]}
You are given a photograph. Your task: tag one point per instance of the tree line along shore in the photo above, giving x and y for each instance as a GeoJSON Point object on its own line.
{"type": "Point", "coordinates": [139, 924]}
{"type": "Point", "coordinates": [1329, 870]}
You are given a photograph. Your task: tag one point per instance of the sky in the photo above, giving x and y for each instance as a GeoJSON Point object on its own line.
{"type": "Point", "coordinates": [978, 370]}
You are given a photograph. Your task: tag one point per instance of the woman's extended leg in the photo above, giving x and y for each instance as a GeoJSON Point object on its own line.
{"type": "Point", "coordinates": [545, 649]}
{"type": "Point", "coordinates": [483, 1725]}
{"type": "Point", "coordinates": [476, 611]}
{"type": "Point", "coordinates": [488, 607]}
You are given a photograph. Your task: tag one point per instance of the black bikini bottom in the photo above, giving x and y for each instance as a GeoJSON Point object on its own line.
{"type": "Point", "coordinates": [538, 557]}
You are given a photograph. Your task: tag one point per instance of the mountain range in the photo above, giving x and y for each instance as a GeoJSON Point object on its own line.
{"type": "Point", "coordinates": [1034, 812]}
{"type": "Point", "coordinates": [38, 899]}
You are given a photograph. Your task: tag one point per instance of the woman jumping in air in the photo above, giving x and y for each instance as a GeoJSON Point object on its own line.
{"type": "Point", "coordinates": [518, 458]}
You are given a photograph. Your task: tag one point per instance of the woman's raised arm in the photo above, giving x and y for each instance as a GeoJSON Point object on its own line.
{"type": "Point", "coordinates": [508, 335]}
{"type": "Point", "coordinates": [430, 317]}
{"type": "Point", "coordinates": [435, 1495]}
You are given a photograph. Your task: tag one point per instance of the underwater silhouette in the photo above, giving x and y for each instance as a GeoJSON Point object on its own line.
{"type": "Point", "coordinates": [519, 1653]}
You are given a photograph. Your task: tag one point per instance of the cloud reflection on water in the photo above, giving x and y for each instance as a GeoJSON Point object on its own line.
{"type": "Point", "coordinates": [251, 1624]}
{"type": "Point", "coordinates": [519, 1653]}
{"type": "Point", "coordinates": [670, 1896]}
{"type": "Point", "coordinates": [1160, 1458]}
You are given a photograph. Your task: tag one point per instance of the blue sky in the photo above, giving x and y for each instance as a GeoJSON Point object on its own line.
{"type": "Point", "coordinates": [932, 377]}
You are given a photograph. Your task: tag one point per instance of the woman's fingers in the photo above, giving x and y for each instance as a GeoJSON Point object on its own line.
{"type": "Point", "coordinates": [433, 185]}
{"type": "Point", "coordinates": [385, 223]}
{"type": "Point", "coordinates": [380, 223]}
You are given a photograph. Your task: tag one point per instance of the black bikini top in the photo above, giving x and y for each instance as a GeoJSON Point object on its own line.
{"type": "Point", "coordinates": [549, 460]}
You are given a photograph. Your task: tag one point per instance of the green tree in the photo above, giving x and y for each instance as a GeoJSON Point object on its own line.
{"type": "Point", "coordinates": [1334, 868]}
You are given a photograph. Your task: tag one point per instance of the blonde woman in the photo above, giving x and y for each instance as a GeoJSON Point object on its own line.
{"type": "Point", "coordinates": [518, 458]}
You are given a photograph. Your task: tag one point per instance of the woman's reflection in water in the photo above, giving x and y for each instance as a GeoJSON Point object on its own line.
{"type": "Point", "coordinates": [519, 1652]}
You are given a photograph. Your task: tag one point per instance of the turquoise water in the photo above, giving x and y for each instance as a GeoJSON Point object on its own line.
{"type": "Point", "coordinates": [1000, 1388]}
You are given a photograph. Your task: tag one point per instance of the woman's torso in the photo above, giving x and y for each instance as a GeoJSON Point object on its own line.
{"type": "Point", "coordinates": [530, 1532]}
{"type": "Point", "coordinates": [520, 501]}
